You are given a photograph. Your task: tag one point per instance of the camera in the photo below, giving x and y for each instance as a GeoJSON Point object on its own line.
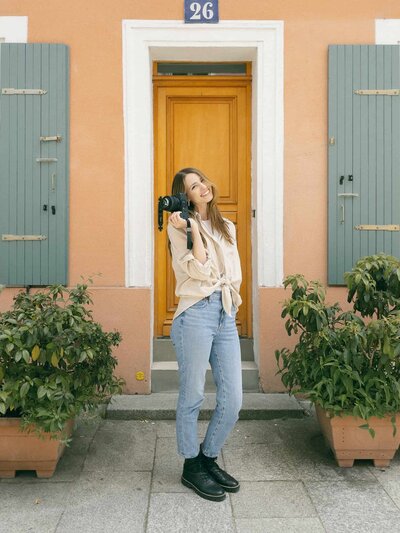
{"type": "Point", "coordinates": [176, 202]}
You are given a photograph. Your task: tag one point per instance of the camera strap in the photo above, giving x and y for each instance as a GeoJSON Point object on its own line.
{"type": "Point", "coordinates": [189, 235]}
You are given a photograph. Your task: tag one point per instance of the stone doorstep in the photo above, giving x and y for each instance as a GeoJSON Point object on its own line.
{"type": "Point", "coordinates": [162, 406]}
{"type": "Point", "coordinates": [165, 377]}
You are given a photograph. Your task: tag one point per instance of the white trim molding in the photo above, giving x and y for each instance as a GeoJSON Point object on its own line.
{"type": "Point", "coordinates": [247, 40]}
{"type": "Point", "coordinates": [13, 29]}
{"type": "Point", "coordinates": [387, 31]}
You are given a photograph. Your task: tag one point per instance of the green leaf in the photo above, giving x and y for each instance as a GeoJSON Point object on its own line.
{"type": "Point", "coordinates": [41, 392]}
{"type": "Point", "coordinates": [9, 347]}
{"type": "Point", "coordinates": [24, 389]}
{"type": "Point", "coordinates": [26, 356]}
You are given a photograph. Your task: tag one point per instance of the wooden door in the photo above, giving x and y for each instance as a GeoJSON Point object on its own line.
{"type": "Point", "coordinates": [203, 123]}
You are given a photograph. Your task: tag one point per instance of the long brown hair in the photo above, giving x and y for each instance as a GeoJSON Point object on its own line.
{"type": "Point", "coordinates": [213, 213]}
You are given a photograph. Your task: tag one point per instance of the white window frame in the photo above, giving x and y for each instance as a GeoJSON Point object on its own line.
{"type": "Point", "coordinates": [13, 30]}
{"type": "Point", "coordinates": [387, 31]}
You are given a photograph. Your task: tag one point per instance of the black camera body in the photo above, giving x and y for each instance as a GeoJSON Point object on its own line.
{"type": "Point", "coordinates": [176, 202]}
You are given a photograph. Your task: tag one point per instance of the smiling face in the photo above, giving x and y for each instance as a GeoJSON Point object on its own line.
{"type": "Point", "coordinates": [198, 190]}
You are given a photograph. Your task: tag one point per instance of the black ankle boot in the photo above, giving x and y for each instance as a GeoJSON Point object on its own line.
{"type": "Point", "coordinates": [196, 477]}
{"type": "Point", "coordinates": [227, 482]}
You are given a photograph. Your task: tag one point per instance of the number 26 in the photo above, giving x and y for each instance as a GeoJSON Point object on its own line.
{"type": "Point", "coordinates": [207, 11]}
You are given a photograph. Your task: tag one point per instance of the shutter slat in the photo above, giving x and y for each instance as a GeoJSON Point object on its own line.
{"type": "Point", "coordinates": [380, 142]}
{"type": "Point", "coordinates": [348, 158]}
{"type": "Point", "coordinates": [44, 169]}
{"type": "Point", "coordinates": [355, 249]}
{"type": "Point", "coordinates": [395, 150]}
{"type": "Point", "coordinates": [332, 163]}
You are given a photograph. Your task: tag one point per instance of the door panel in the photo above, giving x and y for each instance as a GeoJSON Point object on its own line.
{"type": "Point", "coordinates": [203, 124]}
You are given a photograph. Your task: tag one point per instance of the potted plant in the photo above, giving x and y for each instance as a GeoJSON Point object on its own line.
{"type": "Point", "coordinates": [55, 363]}
{"type": "Point", "coordinates": [347, 363]}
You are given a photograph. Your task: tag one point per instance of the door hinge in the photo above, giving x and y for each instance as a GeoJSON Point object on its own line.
{"type": "Point", "coordinates": [253, 213]}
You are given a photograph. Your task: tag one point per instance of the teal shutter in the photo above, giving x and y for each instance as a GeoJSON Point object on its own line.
{"type": "Point", "coordinates": [363, 155]}
{"type": "Point", "coordinates": [34, 194]}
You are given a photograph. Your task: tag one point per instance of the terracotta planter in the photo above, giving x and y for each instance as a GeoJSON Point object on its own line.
{"type": "Point", "coordinates": [349, 442]}
{"type": "Point", "coordinates": [25, 451]}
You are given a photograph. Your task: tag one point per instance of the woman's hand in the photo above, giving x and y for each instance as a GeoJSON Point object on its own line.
{"type": "Point", "coordinates": [179, 222]}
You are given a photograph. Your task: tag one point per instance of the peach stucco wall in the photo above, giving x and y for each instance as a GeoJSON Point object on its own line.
{"type": "Point", "coordinates": [92, 29]}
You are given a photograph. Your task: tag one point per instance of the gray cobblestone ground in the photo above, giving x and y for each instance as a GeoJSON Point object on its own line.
{"type": "Point", "coordinates": [123, 476]}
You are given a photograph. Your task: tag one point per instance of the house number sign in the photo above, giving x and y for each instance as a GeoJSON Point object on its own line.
{"type": "Point", "coordinates": [201, 11]}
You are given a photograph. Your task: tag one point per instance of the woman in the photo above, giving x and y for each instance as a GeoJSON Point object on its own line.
{"type": "Point", "coordinates": [204, 331]}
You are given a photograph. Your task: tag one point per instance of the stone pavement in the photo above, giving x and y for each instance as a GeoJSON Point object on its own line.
{"type": "Point", "coordinates": [123, 476]}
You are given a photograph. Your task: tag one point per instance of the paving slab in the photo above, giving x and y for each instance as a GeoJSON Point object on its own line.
{"type": "Point", "coordinates": [32, 507]}
{"type": "Point", "coordinates": [272, 499]}
{"type": "Point", "coordinates": [247, 432]}
{"type": "Point", "coordinates": [114, 503]}
{"type": "Point", "coordinates": [259, 462]}
{"type": "Point", "coordinates": [353, 506]}
{"type": "Point", "coordinates": [119, 446]}
{"type": "Point", "coordinates": [162, 406]}
{"type": "Point", "coordinates": [172, 513]}
{"type": "Point", "coordinates": [277, 525]}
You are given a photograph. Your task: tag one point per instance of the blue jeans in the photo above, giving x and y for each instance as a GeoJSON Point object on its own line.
{"type": "Point", "coordinates": [204, 333]}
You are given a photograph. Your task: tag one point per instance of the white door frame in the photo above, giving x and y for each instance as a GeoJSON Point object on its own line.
{"type": "Point", "coordinates": [258, 41]}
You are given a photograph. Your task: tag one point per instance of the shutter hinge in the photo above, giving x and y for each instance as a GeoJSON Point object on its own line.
{"type": "Point", "coordinates": [371, 92]}
{"type": "Point", "coordinates": [378, 227]}
{"type": "Point", "coordinates": [23, 237]}
{"type": "Point", "coordinates": [253, 213]}
{"type": "Point", "coordinates": [10, 91]}
{"type": "Point", "coordinates": [56, 138]}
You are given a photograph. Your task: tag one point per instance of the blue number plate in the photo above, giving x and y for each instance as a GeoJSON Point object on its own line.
{"type": "Point", "coordinates": [201, 11]}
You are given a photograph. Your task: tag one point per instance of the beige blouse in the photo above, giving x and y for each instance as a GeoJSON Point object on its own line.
{"type": "Point", "coordinates": [221, 270]}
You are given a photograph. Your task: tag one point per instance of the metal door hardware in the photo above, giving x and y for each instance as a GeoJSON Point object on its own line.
{"type": "Point", "coordinates": [350, 177]}
{"type": "Point", "coordinates": [23, 237]}
{"type": "Point", "coordinates": [341, 180]}
{"type": "Point", "coordinates": [384, 92]}
{"type": "Point", "coordinates": [53, 209]}
{"type": "Point", "coordinates": [348, 194]}
{"type": "Point", "coordinates": [332, 141]}
{"type": "Point", "coordinates": [378, 227]}
{"type": "Point", "coordinates": [56, 138]}
{"type": "Point", "coordinates": [23, 91]}
{"type": "Point", "coordinates": [45, 207]}
{"type": "Point", "coordinates": [46, 159]}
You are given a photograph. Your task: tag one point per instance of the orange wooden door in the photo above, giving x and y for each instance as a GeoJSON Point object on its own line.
{"type": "Point", "coordinates": [204, 123]}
